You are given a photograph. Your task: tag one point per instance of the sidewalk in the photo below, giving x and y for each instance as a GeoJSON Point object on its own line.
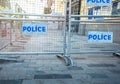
{"type": "Point", "coordinates": [89, 69]}
{"type": "Point", "coordinates": [48, 69]}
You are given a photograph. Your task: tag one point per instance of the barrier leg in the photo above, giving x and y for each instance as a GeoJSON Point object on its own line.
{"type": "Point", "coordinates": [65, 58]}
{"type": "Point", "coordinates": [116, 54]}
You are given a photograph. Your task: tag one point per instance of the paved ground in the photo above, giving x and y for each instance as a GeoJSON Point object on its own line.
{"type": "Point", "coordinates": [48, 69]}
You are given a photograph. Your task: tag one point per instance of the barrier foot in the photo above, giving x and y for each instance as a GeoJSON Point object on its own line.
{"type": "Point", "coordinates": [116, 54]}
{"type": "Point", "coordinates": [68, 60]}
{"type": "Point", "coordinates": [71, 61]}
{"type": "Point", "coordinates": [65, 58]}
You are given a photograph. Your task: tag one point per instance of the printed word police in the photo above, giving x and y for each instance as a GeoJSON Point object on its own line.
{"type": "Point", "coordinates": [98, 1]}
{"type": "Point", "coordinates": [99, 37]}
{"type": "Point", "coordinates": [35, 28]}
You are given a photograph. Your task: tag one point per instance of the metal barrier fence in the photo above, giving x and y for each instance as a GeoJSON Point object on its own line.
{"type": "Point", "coordinates": [92, 33]}
{"type": "Point", "coordinates": [51, 41]}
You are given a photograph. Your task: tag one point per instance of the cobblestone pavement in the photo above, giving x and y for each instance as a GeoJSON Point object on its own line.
{"type": "Point", "coordinates": [48, 69]}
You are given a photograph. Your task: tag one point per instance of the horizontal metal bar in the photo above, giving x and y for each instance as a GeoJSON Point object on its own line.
{"type": "Point", "coordinates": [94, 52]}
{"type": "Point", "coordinates": [28, 19]}
{"type": "Point", "coordinates": [27, 14]}
{"type": "Point", "coordinates": [51, 53]}
{"type": "Point", "coordinates": [95, 15]}
{"type": "Point", "coordinates": [95, 21]}
{"type": "Point", "coordinates": [29, 53]}
{"type": "Point", "coordinates": [83, 21]}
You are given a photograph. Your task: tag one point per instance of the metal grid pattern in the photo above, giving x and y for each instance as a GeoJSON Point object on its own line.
{"type": "Point", "coordinates": [93, 18]}
{"type": "Point", "coordinates": [79, 41]}
{"type": "Point", "coordinates": [49, 12]}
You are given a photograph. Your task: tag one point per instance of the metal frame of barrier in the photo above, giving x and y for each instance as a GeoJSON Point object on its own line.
{"type": "Point", "coordinates": [62, 54]}
{"type": "Point", "coordinates": [57, 18]}
{"type": "Point", "coordinates": [69, 53]}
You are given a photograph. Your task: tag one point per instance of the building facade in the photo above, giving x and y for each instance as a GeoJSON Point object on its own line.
{"type": "Point", "coordinates": [116, 7]}
{"type": "Point", "coordinates": [4, 5]}
{"type": "Point", "coordinates": [9, 30]}
{"type": "Point", "coordinates": [55, 7]}
{"type": "Point", "coordinates": [4, 26]}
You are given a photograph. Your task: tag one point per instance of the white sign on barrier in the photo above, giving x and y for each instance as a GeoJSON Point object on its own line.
{"type": "Point", "coordinates": [100, 37]}
{"type": "Point", "coordinates": [99, 2]}
{"type": "Point", "coordinates": [34, 28]}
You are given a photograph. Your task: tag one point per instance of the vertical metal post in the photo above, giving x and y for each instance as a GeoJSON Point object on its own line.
{"type": "Point", "coordinates": [68, 54]}
{"type": "Point", "coordinates": [69, 31]}
{"type": "Point", "coordinates": [58, 25]}
{"type": "Point", "coordinates": [64, 28]}
{"type": "Point", "coordinates": [66, 51]}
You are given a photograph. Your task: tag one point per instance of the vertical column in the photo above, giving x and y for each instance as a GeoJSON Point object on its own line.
{"type": "Point", "coordinates": [0, 34]}
{"type": "Point", "coordinates": [11, 32]}
{"type": "Point", "coordinates": [0, 29]}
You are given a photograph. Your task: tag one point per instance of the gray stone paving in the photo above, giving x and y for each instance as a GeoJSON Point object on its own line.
{"type": "Point", "coordinates": [53, 76]}
{"type": "Point", "coordinates": [10, 81]}
{"type": "Point", "coordinates": [42, 70]}
{"type": "Point", "coordinates": [48, 69]}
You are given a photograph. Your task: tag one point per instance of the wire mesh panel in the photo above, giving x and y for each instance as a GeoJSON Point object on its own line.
{"type": "Point", "coordinates": [5, 34]}
{"type": "Point", "coordinates": [21, 16]}
{"type": "Point", "coordinates": [96, 37]}
{"type": "Point", "coordinates": [94, 28]}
